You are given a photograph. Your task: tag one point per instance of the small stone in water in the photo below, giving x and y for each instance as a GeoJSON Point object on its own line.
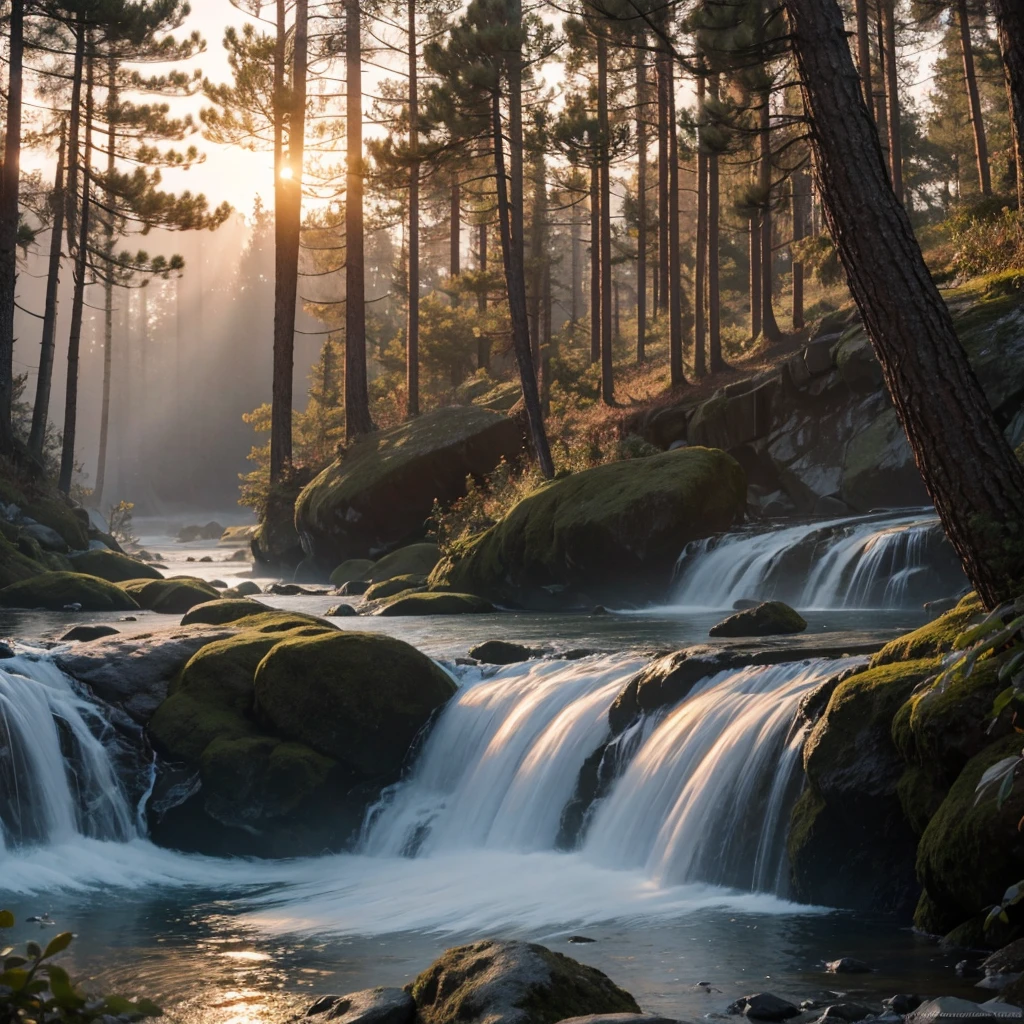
{"type": "Point", "coordinates": [579, 938]}
{"type": "Point", "coordinates": [76, 607]}
{"type": "Point", "coordinates": [6, 651]}
{"type": "Point", "coordinates": [966, 969]}
{"type": "Point", "coordinates": [129, 618]}
{"type": "Point", "coordinates": [902, 1003]}
{"type": "Point", "coordinates": [848, 965]}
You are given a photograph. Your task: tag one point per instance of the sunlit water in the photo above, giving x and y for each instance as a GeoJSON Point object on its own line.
{"type": "Point", "coordinates": [679, 873]}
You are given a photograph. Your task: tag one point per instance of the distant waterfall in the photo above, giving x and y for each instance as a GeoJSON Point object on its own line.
{"type": "Point", "coordinates": [890, 561]}
{"type": "Point", "coordinates": [704, 798]}
{"type": "Point", "coordinates": [58, 773]}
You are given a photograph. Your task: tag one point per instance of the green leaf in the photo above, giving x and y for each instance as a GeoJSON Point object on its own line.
{"type": "Point", "coordinates": [118, 1005]}
{"type": "Point", "coordinates": [58, 944]}
{"type": "Point", "coordinates": [6, 919]}
{"type": "Point", "coordinates": [1005, 789]}
{"type": "Point", "coordinates": [34, 950]}
{"type": "Point", "coordinates": [14, 961]}
{"type": "Point", "coordinates": [992, 621]}
{"type": "Point", "coordinates": [14, 979]}
{"type": "Point", "coordinates": [64, 993]}
{"type": "Point", "coordinates": [148, 1008]}
{"type": "Point", "coordinates": [1000, 703]}
{"type": "Point", "coordinates": [1007, 670]}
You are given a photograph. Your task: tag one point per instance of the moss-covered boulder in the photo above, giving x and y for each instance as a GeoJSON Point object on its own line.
{"type": "Point", "coordinates": [770, 618]}
{"type": "Point", "coordinates": [15, 564]}
{"type": "Point", "coordinates": [935, 637]}
{"type": "Point", "coordinates": [608, 535]}
{"type": "Point", "coordinates": [440, 603]}
{"type": "Point", "coordinates": [850, 845]}
{"type": "Point", "coordinates": [972, 849]}
{"type": "Point", "coordinates": [55, 591]}
{"type": "Point", "coordinates": [222, 610]}
{"type": "Point", "coordinates": [275, 541]}
{"type": "Point", "coordinates": [395, 585]}
{"type": "Point", "coordinates": [54, 511]}
{"type": "Point", "coordinates": [244, 589]}
{"type": "Point", "coordinates": [379, 495]}
{"type": "Point", "coordinates": [353, 569]}
{"type": "Point", "coordinates": [513, 983]}
{"type": "Point", "coordinates": [360, 698]}
{"type": "Point", "coordinates": [113, 567]}
{"type": "Point", "coordinates": [412, 560]}
{"type": "Point", "coordinates": [173, 596]}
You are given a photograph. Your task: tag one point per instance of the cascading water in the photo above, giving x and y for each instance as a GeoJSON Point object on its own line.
{"type": "Point", "coordinates": [890, 561]}
{"type": "Point", "coordinates": [703, 799]}
{"type": "Point", "coordinates": [58, 774]}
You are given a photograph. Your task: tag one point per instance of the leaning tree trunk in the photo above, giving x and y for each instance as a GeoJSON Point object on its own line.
{"type": "Point", "coordinates": [412, 337]}
{"type": "Point", "coordinates": [357, 396]}
{"type": "Point", "coordinates": [288, 225]}
{"type": "Point", "coordinates": [67, 455]}
{"type": "Point", "coordinates": [715, 360]}
{"type": "Point", "coordinates": [701, 270]}
{"type": "Point", "coordinates": [892, 92]}
{"type": "Point", "coordinates": [967, 465]}
{"type": "Point", "coordinates": [1010, 23]}
{"type": "Point", "coordinates": [9, 189]}
{"type": "Point", "coordinates": [44, 379]}
{"type": "Point", "coordinates": [509, 187]}
{"type": "Point", "coordinates": [974, 100]}
{"type": "Point", "coordinates": [769, 326]}
{"type": "Point", "coordinates": [864, 50]}
{"type": "Point", "coordinates": [108, 288]}
{"type": "Point", "coordinates": [604, 159]}
{"type": "Point", "coordinates": [641, 195]}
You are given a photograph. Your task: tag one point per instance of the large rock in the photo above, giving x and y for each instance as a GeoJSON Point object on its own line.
{"type": "Point", "coordinates": [111, 566]}
{"type": "Point", "coordinates": [412, 560]}
{"type": "Point", "coordinates": [879, 469]}
{"type": "Point", "coordinates": [174, 596]}
{"type": "Point", "coordinates": [513, 983]}
{"type": "Point", "coordinates": [769, 618]}
{"type": "Point", "coordinates": [222, 610]}
{"type": "Point", "coordinates": [371, 1006]}
{"type": "Point", "coordinates": [440, 603]}
{"type": "Point", "coordinates": [353, 569]}
{"type": "Point", "coordinates": [134, 673]}
{"type": "Point", "coordinates": [380, 494]}
{"type": "Point", "coordinates": [608, 535]}
{"type": "Point", "coordinates": [56, 591]}
{"type": "Point", "coordinates": [360, 698]}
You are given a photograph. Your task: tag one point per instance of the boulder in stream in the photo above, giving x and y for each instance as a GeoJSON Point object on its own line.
{"type": "Point", "coordinates": [173, 596]}
{"type": "Point", "coordinates": [764, 1006]}
{"type": "Point", "coordinates": [113, 567]}
{"type": "Point", "coordinates": [502, 652]}
{"type": "Point", "coordinates": [55, 591]}
{"type": "Point", "coordinates": [495, 982]}
{"type": "Point", "coordinates": [370, 1006]}
{"type": "Point", "coordinates": [770, 618]}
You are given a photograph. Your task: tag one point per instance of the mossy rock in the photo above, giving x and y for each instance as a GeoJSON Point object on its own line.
{"type": "Point", "coordinates": [358, 697]}
{"type": "Point", "coordinates": [395, 585]}
{"type": "Point", "coordinates": [184, 725]}
{"type": "Point", "coordinates": [513, 983]}
{"type": "Point", "coordinates": [604, 536]}
{"type": "Point", "coordinates": [56, 513]}
{"type": "Point", "coordinates": [244, 589]}
{"type": "Point", "coordinates": [274, 621]}
{"type": "Point", "coordinates": [972, 850]}
{"type": "Point", "coordinates": [920, 796]}
{"type": "Point", "coordinates": [850, 844]}
{"type": "Point", "coordinates": [353, 569]}
{"type": "Point", "coordinates": [770, 618]}
{"type": "Point", "coordinates": [173, 596]}
{"type": "Point", "coordinates": [381, 492]}
{"type": "Point", "coordinates": [943, 726]}
{"type": "Point", "coordinates": [15, 566]}
{"type": "Point", "coordinates": [113, 567]}
{"type": "Point", "coordinates": [439, 603]}
{"type": "Point", "coordinates": [54, 591]}
{"type": "Point", "coordinates": [936, 637]}
{"type": "Point", "coordinates": [222, 611]}
{"type": "Point", "coordinates": [412, 560]}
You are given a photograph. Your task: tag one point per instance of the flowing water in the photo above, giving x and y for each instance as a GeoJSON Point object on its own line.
{"type": "Point", "coordinates": [681, 853]}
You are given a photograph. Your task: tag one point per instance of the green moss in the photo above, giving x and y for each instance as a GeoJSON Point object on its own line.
{"type": "Point", "coordinates": [353, 569]}
{"type": "Point", "coordinates": [222, 611]}
{"type": "Point", "coordinates": [15, 566]}
{"type": "Point", "coordinates": [920, 796]}
{"type": "Point", "coordinates": [358, 697]}
{"type": "Point", "coordinates": [183, 726]}
{"type": "Point", "coordinates": [439, 603]}
{"type": "Point", "coordinates": [972, 850]}
{"type": "Point", "coordinates": [55, 512]}
{"type": "Point", "coordinates": [934, 638]}
{"type": "Point", "coordinates": [809, 805]}
{"type": "Point", "coordinates": [113, 567]}
{"type": "Point", "coordinates": [171, 596]}
{"type": "Point", "coordinates": [769, 618]}
{"type": "Point", "coordinates": [54, 591]}
{"type": "Point", "coordinates": [609, 532]}
{"type": "Point", "coordinates": [395, 585]}
{"type": "Point", "coordinates": [275, 621]}
{"type": "Point", "coordinates": [412, 560]}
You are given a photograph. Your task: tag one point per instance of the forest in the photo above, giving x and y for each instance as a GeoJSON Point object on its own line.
{"type": "Point", "coordinates": [498, 497]}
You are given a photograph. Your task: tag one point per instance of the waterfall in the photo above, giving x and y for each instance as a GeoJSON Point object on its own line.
{"type": "Point", "coordinates": [58, 762]}
{"type": "Point", "coordinates": [890, 561]}
{"type": "Point", "coordinates": [703, 798]}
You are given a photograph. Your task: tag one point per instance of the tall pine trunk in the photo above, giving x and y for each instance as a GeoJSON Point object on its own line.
{"type": "Point", "coordinates": [769, 326]}
{"type": "Point", "coordinates": [663, 68]}
{"type": "Point", "coordinates": [701, 271]}
{"type": "Point", "coordinates": [44, 380]}
{"type": "Point", "coordinates": [974, 100]}
{"type": "Point", "coordinates": [881, 93]}
{"type": "Point", "coordinates": [799, 234]}
{"type": "Point", "coordinates": [892, 91]}
{"type": "Point", "coordinates": [967, 465]}
{"type": "Point", "coordinates": [754, 246]}
{"type": "Point", "coordinates": [864, 50]}
{"type": "Point", "coordinates": [675, 283]}
{"type": "Point", "coordinates": [510, 221]}
{"type": "Point", "coordinates": [715, 360]}
{"type": "Point", "coordinates": [604, 160]}
{"type": "Point", "coordinates": [1010, 24]}
{"type": "Point", "coordinates": [357, 396]}
{"type": "Point", "coordinates": [9, 192]}
{"type": "Point", "coordinates": [483, 346]}
{"type": "Point", "coordinates": [67, 456]}
{"type": "Point", "coordinates": [412, 338]}
{"type": "Point", "coordinates": [641, 195]}
{"type": "Point", "coordinates": [595, 266]}
{"type": "Point", "coordinates": [288, 226]}
{"type": "Point", "coordinates": [455, 231]}
{"type": "Point", "coordinates": [538, 241]}
{"type": "Point", "coordinates": [108, 289]}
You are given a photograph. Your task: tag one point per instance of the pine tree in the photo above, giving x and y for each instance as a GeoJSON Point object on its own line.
{"type": "Point", "coordinates": [1010, 24]}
